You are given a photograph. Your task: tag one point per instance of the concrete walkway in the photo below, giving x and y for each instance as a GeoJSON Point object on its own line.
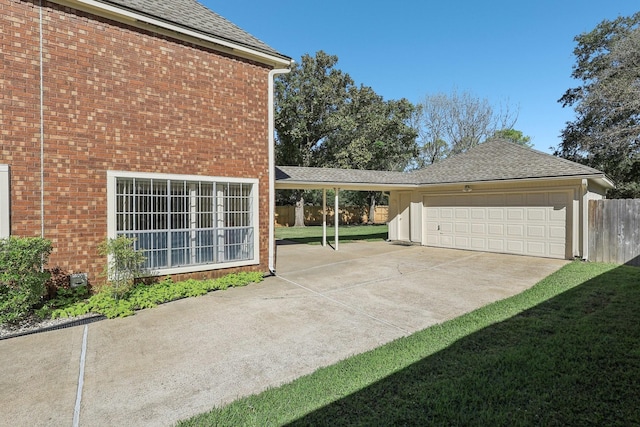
{"type": "Point", "coordinates": [183, 358]}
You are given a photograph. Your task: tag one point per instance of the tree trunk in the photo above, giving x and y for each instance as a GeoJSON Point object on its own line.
{"type": "Point", "coordinates": [299, 211]}
{"type": "Point", "coordinates": [372, 208]}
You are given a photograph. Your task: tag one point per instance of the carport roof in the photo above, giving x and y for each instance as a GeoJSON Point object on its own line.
{"type": "Point", "coordinates": [496, 160]}
{"type": "Point", "coordinates": [295, 177]}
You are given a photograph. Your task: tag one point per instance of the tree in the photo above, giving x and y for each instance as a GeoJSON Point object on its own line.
{"type": "Point", "coordinates": [324, 120]}
{"type": "Point", "coordinates": [373, 134]}
{"type": "Point", "coordinates": [606, 131]}
{"type": "Point", "coordinates": [514, 136]}
{"type": "Point", "coordinates": [307, 102]}
{"type": "Point", "coordinates": [453, 123]}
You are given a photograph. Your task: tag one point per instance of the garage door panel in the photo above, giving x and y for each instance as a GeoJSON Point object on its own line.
{"type": "Point", "coordinates": [557, 232]}
{"type": "Point", "coordinates": [558, 214]}
{"type": "Point", "coordinates": [432, 213]}
{"type": "Point", "coordinates": [478, 244]}
{"type": "Point", "coordinates": [536, 231]}
{"type": "Point", "coordinates": [515, 230]}
{"type": "Point", "coordinates": [461, 242]}
{"type": "Point", "coordinates": [495, 245]}
{"type": "Point", "coordinates": [515, 214]}
{"type": "Point", "coordinates": [446, 227]}
{"type": "Point", "coordinates": [446, 241]}
{"type": "Point", "coordinates": [462, 227]}
{"type": "Point", "coordinates": [557, 250]}
{"type": "Point", "coordinates": [446, 212]}
{"type": "Point", "coordinates": [462, 213]}
{"type": "Point", "coordinates": [495, 229]}
{"type": "Point", "coordinates": [536, 214]}
{"type": "Point", "coordinates": [519, 223]}
{"type": "Point", "coordinates": [478, 228]}
{"type": "Point", "coordinates": [515, 246]}
{"type": "Point", "coordinates": [478, 213]}
{"type": "Point", "coordinates": [536, 248]}
{"type": "Point", "coordinates": [496, 214]}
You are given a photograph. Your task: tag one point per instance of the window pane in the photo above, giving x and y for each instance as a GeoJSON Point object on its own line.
{"type": "Point", "coordinates": [179, 223]}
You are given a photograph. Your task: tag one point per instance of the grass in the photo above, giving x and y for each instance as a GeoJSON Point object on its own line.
{"type": "Point", "coordinates": [347, 233]}
{"type": "Point", "coordinates": [564, 352]}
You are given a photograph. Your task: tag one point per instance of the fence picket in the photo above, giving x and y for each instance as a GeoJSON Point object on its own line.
{"type": "Point", "coordinates": [614, 234]}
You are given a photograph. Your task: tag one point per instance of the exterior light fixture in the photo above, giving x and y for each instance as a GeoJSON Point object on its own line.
{"type": "Point", "coordinates": [467, 189]}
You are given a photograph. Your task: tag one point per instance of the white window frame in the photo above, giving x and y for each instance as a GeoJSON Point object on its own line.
{"type": "Point", "coordinates": [5, 202]}
{"type": "Point", "coordinates": [112, 231]}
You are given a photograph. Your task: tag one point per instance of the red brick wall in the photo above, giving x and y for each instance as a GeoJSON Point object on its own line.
{"type": "Point", "coordinates": [117, 98]}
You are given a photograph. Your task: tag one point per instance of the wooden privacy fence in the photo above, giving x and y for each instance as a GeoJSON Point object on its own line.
{"type": "Point", "coordinates": [614, 234]}
{"type": "Point", "coordinates": [285, 215]}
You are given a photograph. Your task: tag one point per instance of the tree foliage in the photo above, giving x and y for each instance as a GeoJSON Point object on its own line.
{"type": "Point", "coordinates": [513, 135]}
{"type": "Point", "coordinates": [606, 131]}
{"type": "Point", "coordinates": [323, 119]}
{"type": "Point", "coordinates": [308, 101]}
{"type": "Point", "coordinates": [453, 123]}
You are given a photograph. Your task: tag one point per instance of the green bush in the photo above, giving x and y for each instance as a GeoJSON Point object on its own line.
{"type": "Point", "coordinates": [147, 296]}
{"type": "Point", "coordinates": [22, 281]}
{"type": "Point", "coordinates": [124, 264]}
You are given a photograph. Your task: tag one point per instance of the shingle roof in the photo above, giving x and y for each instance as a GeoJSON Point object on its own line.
{"type": "Point", "coordinates": [500, 160]}
{"type": "Point", "coordinates": [494, 160]}
{"type": "Point", "coordinates": [193, 15]}
{"type": "Point", "coordinates": [330, 175]}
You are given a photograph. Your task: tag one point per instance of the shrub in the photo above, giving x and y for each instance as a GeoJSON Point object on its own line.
{"type": "Point", "coordinates": [22, 281]}
{"type": "Point", "coordinates": [58, 279]}
{"type": "Point", "coordinates": [147, 296]}
{"type": "Point", "coordinates": [124, 264]}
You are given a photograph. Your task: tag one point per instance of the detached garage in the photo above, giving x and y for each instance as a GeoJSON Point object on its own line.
{"type": "Point", "coordinates": [496, 197]}
{"type": "Point", "coordinates": [500, 197]}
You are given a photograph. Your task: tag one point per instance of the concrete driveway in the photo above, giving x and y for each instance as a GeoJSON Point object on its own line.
{"type": "Point", "coordinates": [183, 358]}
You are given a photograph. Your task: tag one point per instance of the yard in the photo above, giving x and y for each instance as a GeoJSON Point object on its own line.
{"type": "Point", "coordinates": [347, 233]}
{"type": "Point", "coordinates": [564, 352]}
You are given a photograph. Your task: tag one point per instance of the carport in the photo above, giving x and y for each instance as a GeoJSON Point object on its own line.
{"type": "Point", "coordinates": [300, 178]}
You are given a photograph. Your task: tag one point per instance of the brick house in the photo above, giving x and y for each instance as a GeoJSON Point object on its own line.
{"type": "Point", "coordinates": [136, 117]}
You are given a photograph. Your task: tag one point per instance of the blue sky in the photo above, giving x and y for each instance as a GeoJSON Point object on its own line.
{"type": "Point", "coordinates": [520, 53]}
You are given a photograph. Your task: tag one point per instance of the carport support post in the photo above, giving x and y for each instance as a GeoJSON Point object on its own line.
{"type": "Point", "coordinates": [324, 217]}
{"type": "Point", "coordinates": [336, 214]}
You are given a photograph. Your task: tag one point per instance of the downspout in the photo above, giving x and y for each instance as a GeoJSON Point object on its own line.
{"type": "Point", "coordinates": [272, 169]}
{"type": "Point", "coordinates": [40, 28]}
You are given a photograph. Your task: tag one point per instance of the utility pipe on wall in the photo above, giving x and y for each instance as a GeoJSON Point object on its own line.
{"type": "Point", "coordinates": [336, 215]}
{"type": "Point", "coordinates": [272, 168]}
{"type": "Point", "coordinates": [41, 59]}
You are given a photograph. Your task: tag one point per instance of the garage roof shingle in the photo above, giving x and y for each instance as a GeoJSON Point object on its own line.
{"type": "Point", "coordinates": [495, 160]}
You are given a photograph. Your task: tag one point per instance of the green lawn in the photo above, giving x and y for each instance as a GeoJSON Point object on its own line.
{"type": "Point", "coordinates": [347, 233]}
{"type": "Point", "coordinates": [564, 352]}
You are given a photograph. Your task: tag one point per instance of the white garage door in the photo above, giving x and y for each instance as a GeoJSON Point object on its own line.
{"type": "Point", "coordinates": [520, 223]}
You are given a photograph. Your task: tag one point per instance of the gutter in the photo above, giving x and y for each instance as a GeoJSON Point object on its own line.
{"type": "Point", "coordinates": [272, 167]}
